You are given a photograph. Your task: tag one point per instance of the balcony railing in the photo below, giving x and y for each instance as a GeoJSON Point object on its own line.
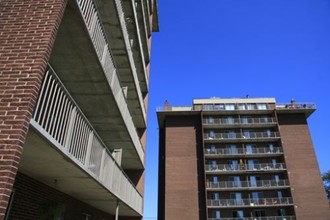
{"type": "Point", "coordinates": [97, 34]}
{"type": "Point", "coordinates": [296, 106]}
{"type": "Point", "coordinates": [238, 121]}
{"type": "Point", "coordinates": [242, 151]}
{"type": "Point", "coordinates": [250, 135]}
{"type": "Point", "coordinates": [248, 184]}
{"type": "Point", "coordinates": [60, 120]}
{"type": "Point", "coordinates": [249, 202]}
{"type": "Point", "coordinates": [245, 167]}
{"type": "Point", "coordinates": [258, 218]}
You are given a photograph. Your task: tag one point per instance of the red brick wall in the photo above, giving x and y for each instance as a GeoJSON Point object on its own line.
{"type": "Point", "coordinates": [34, 200]}
{"type": "Point", "coordinates": [27, 32]}
{"type": "Point", "coordinates": [181, 160]}
{"type": "Point", "coordinates": [309, 196]}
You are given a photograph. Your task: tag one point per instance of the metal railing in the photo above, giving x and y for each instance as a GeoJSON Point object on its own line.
{"type": "Point", "coordinates": [96, 31]}
{"type": "Point", "coordinates": [245, 167]}
{"type": "Point", "coordinates": [241, 121]}
{"type": "Point", "coordinates": [250, 135]}
{"type": "Point", "coordinates": [258, 218]}
{"type": "Point", "coordinates": [242, 151]}
{"type": "Point", "coordinates": [295, 106]}
{"type": "Point", "coordinates": [249, 202]}
{"type": "Point", "coordinates": [59, 119]}
{"type": "Point", "coordinates": [248, 184]}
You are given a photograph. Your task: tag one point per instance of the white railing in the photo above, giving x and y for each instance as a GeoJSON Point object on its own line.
{"type": "Point", "coordinates": [249, 202]}
{"type": "Point", "coordinates": [94, 25]}
{"type": "Point", "coordinates": [241, 121]}
{"type": "Point", "coordinates": [242, 151]}
{"type": "Point", "coordinates": [258, 218]}
{"type": "Point", "coordinates": [57, 117]}
{"type": "Point", "coordinates": [245, 167]}
{"type": "Point", "coordinates": [245, 135]}
{"type": "Point", "coordinates": [294, 105]}
{"type": "Point", "coordinates": [247, 184]}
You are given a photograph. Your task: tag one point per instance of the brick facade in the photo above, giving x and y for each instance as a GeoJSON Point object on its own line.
{"type": "Point", "coordinates": [181, 160]}
{"type": "Point", "coordinates": [27, 33]}
{"type": "Point", "coordinates": [35, 200]}
{"type": "Point", "coordinates": [303, 170]}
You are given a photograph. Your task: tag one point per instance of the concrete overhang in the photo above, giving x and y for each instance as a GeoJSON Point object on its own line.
{"type": "Point", "coordinates": [155, 20]}
{"type": "Point", "coordinates": [47, 164]}
{"type": "Point", "coordinates": [127, 58]}
{"type": "Point", "coordinates": [75, 61]}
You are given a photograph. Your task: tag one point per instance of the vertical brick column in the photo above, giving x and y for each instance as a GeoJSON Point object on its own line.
{"type": "Point", "coordinates": [27, 33]}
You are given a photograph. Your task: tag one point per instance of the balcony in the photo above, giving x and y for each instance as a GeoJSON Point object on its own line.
{"type": "Point", "coordinates": [258, 218]}
{"type": "Point", "coordinates": [239, 122]}
{"type": "Point", "coordinates": [84, 62]}
{"type": "Point", "coordinates": [87, 162]}
{"type": "Point", "coordinates": [293, 108]}
{"type": "Point", "coordinates": [238, 203]}
{"type": "Point", "coordinates": [248, 185]}
{"type": "Point", "coordinates": [120, 33]}
{"type": "Point", "coordinates": [241, 152]}
{"type": "Point", "coordinates": [237, 168]}
{"type": "Point", "coordinates": [241, 137]}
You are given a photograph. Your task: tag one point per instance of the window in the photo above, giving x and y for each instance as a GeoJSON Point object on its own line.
{"type": "Point", "coordinates": [262, 106]}
{"type": "Point", "coordinates": [231, 149]}
{"type": "Point", "coordinates": [213, 149]}
{"type": "Point", "coordinates": [219, 106]}
{"type": "Point", "coordinates": [233, 164]}
{"type": "Point", "coordinates": [237, 197]}
{"type": "Point", "coordinates": [235, 181]}
{"type": "Point", "coordinates": [230, 120]}
{"type": "Point", "coordinates": [253, 164]}
{"type": "Point", "coordinates": [230, 134]}
{"type": "Point", "coordinates": [241, 107]}
{"type": "Point", "coordinates": [257, 196]}
{"type": "Point", "coordinates": [260, 213]}
{"type": "Point", "coordinates": [217, 214]}
{"type": "Point", "coordinates": [249, 148]}
{"type": "Point", "coordinates": [215, 179]}
{"type": "Point", "coordinates": [215, 196]}
{"type": "Point", "coordinates": [230, 107]}
{"type": "Point", "coordinates": [213, 164]}
{"type": "Point", "coordinates": [210, 120]}
{"type": "Point", "coordinates": [253, 181]}
{"type": "Point", "coordinates": [250, 106]}
{"type": "Point", "coordinates": [281, 212]}
{"type": "Point", "coordinates": [207, 107]}
{"type": "Point", "coordinates": [246, 120]}
{"type": "Point", "coordinates": [270, 147]}
{"type": "Point", "coordinates": [211, 134]}
{"type": "Point", "coordinates": [279, 194]}
{"type": "Point", "coordinates": [238, 214]}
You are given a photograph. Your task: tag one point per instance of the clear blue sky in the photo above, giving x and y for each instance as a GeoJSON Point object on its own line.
{"type": "Point", "coordinates": [231, 48]}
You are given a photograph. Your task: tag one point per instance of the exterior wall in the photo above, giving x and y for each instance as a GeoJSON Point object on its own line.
{"type": "Point", "coordinates": [34, 200]}
{"type": "Point", "coordinates": [26, 39]}
{"type": "Point", "coordinates": [181, 159]}
{"type": "Point", "coordinates": [307, 189]}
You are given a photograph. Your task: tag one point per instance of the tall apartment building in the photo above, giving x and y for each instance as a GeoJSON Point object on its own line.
{"type": "Point", "coordinates": [74, 80]}
{"type": "Point", "coordinates": [235, 159]}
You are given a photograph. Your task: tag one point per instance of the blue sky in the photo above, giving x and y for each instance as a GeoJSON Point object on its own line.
{"type": "Point", "coordinates": [234, 48]}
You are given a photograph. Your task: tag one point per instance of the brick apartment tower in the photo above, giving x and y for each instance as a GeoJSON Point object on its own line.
{"type": "Point", "coordinates": [73, 98]}
{"type": "Point", "coordinates": [233, 159]}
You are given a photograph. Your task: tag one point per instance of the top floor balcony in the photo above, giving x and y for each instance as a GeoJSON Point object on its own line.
{"type": "Point", "coordinates": [294, 107]}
